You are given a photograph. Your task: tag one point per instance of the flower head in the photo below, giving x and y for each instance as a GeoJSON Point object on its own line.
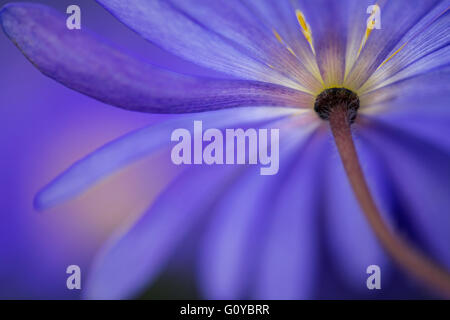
{"type": "Point", "coordinates": [279, 60]}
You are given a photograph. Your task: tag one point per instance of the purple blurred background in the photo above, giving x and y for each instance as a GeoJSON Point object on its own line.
{"type": "Point", "coordinates": [45, 128]}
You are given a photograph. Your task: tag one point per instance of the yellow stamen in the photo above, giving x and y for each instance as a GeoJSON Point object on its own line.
{"type": "Point", "coordinates": [392, 55]}
{"type": "Point", "coordinates": [403, 45]}
{"type": "Point", "coordinates": [369, 29]}
{"type": "Point", "coordinates": [277, 35]}
{"type": "Point", "coordinates": [306, 29]}
{"type": "Point", "coordinates": [280, 40]}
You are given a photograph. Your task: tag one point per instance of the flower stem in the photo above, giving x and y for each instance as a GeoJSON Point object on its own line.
{"type": "Point", "coordinates": [406, 256]}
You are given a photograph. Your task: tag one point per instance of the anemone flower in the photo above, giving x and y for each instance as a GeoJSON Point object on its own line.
{"type": "Point", "coordinates": [317, 70]}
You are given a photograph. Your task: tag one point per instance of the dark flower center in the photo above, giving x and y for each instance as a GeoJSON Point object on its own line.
{"type": "Point", "coordinates": [333, 98]}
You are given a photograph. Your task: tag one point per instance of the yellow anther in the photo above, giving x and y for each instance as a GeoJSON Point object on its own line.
{"type": "Point", "coordinates": [420, 31]}
{"type": "Point", "coordinates": [306, 29]}
{"type": "Point", "coordinates": [280, 40]}
{"type": "Point", "coordinates": [277, 35]}
{"type": "Point", "coordinates": [392, 55]}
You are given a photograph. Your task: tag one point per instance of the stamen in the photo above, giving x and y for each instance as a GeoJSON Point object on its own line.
{"type": "Point", "coordinates": [369, 29]}
{"type": "Point", "coordinates": [414, 36]}
{"type": "Point", "coordinates": [306, 29]}
{"type": "Point", "coordinates": [280, 40]}
{"type": "Point", "coordinates": [399, 249]}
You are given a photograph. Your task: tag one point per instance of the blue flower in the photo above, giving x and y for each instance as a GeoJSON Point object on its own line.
{"type": "Point", "coordinates": [265, 236]}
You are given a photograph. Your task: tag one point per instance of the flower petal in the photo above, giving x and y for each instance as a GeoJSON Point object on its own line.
{"type": "Point", "coordinates": [418, 106]}
{"type": "Point", "coordinates": [397, 19]}
{"type": "Point", "coordinates": [401, 95]}
{"type": "Point", "coordinates": [232, 246]}
{"type": "Point", "coordinates": [85, 63]}
{"type": "Point", "coordinates": [425, 47]}
{"type": "Point", "coordinates": [290, 254]}
{"type": "Point", "coordinates": [180, 32]}
{"type": "Point", "coordinates": [280, 17]}
{"type": "Point", "coordinates": [233, 20]}
{"type": "Point", "coordinates": [333, 25]}
{"type": "Point", "coordinates": [134, 258]}
{"type": "Point", "coordinates": [133, 146]}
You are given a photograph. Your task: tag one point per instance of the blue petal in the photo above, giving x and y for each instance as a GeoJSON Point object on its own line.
{"type": "Point", "coordinates": [169, 26]}
{"type": "Point", "coordinates": [233, 20]}
{"type": "Point", "coordinates": [288, 266]}
{"type": "Point", "coordinates": [420, 174]}
{"type": "Point", "coordinates": [335, 26]}
{"type": "Point", "coordinates": [85, 63]}
{"type": "Point", "coordinates": [279, 17]}
{"type": "Point", "coordinates": [131, 260]}
{"type": "Point", "coordinates": [425, 47]}
{"type": "Point", "coordinates": [352, 243]}
{"type": "Point", "coordinates": [417, 106]}
{"type": "Point", "coordinates": [232, 246]}
{"type": "Point", "coordinates": [133, 146]}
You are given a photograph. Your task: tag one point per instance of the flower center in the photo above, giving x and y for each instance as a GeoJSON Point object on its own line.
{"type": "Point", "coordinates": [332, 98]}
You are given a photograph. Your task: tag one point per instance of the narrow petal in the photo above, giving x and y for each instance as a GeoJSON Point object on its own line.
{"type": "Point", "coordinates": [167, 25]}
{"type": "Point", "coordinates": [133, 146]}
{"type": "Point", "coordinates": [420, 174]}
{"type": "Point", "coordinates": [288, 265]}
{"type": "Point", "coordinates": [232, 245]}
{"type": "Point", "coordinates": [85, 63]}
{"type": "Point", "coordinates": [351, 241]}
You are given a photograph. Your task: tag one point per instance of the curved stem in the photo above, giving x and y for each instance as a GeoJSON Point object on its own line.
{"type": "Point", "coordinates": [402, 252]}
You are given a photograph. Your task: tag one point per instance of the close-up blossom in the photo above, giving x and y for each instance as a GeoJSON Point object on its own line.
{"type": "Point", "coordinates": [359, 91]}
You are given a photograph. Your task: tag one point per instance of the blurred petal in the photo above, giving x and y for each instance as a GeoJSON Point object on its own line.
{"type": "Point", "coordinates": [290, 251]}
{"type": "Point", "coordinates": [420, 173]}
{"type": "Point", "coordinates": [351, 241]}
{"type": "Point", "coordinates": [401, 95]}
{"type": "Point", "coordinates": [232, 246]}
{"type": "Point", "coordinates": [134, 258]}
{"type": "Point", "coordinates": [130, 261]}
{"type": "Point", "coordinates": [133, 146]}
{"type": "Point", "coordinates": [175, 30]}
{"type": "Point", "coordinates": [87, 64]}
{"type": "Point", "coordinates": [418, 106]}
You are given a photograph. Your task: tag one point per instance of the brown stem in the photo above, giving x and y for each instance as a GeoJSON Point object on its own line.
{"type": "Point", "coordinates": [403, 253]}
